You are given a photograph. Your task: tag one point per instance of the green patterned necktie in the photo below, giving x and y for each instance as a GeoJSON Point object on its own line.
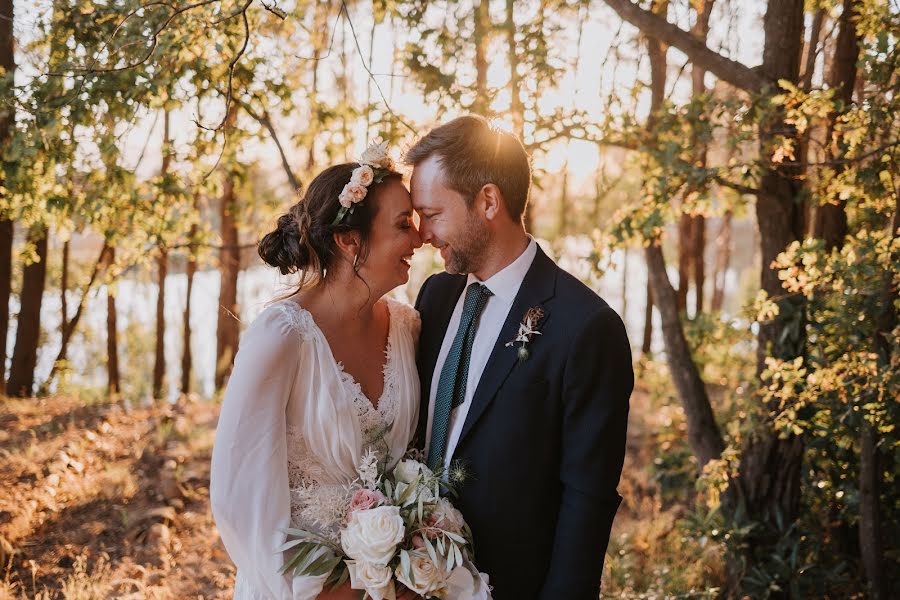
{"type": "Point", "coordinates": [452, 384]}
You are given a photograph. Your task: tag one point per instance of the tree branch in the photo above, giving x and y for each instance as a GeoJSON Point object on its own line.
{"type": "Point", "coordinates": [265, 120]}
{"type": "Point", "coordinates": [733, 72]}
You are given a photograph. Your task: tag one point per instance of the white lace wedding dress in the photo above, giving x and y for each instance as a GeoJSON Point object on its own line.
{"type": "Point", "coordinates": [291, 431]}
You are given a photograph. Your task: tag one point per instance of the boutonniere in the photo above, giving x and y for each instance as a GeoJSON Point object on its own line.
{"type": "Point", "coordinates": [527, 330]}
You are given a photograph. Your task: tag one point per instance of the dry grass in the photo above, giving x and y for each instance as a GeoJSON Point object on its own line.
{"type": "Point", "coordinates": [106, 501]}
{"type": "Point", "coordinates": [103, 501]}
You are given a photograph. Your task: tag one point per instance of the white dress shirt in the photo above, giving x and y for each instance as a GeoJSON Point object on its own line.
{"type": "Point", "coordinates": [505, 286]}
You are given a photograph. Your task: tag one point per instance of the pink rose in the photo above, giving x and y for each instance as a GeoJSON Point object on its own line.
{"type": "Point", "coordinates": [365, 499]}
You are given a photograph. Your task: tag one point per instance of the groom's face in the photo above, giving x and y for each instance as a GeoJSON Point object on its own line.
{"type": "Point", "coordinates": [446, 221]}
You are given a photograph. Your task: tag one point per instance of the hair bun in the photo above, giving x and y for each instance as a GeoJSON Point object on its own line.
{"type": "Point", "coordinates": [283, 248]}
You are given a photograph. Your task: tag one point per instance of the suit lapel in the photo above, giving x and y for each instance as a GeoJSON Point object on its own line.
{"type": "Point", "coordinates": [537, 287]}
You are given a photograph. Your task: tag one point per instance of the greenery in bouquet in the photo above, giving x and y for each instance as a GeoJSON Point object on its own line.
{"type": "Point", "coordinates": [398, 527]}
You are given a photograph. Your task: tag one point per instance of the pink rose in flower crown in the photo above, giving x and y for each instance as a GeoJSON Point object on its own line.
{"type": "Point", "coordinates": [365, 499]}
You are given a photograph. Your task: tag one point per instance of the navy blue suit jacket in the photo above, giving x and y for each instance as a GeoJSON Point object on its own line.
{"type": "Point", "coordinates": [544, 438]}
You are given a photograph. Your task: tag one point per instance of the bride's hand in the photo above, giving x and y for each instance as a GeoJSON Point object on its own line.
{"type": "Point", "coordinates": [341, 592]}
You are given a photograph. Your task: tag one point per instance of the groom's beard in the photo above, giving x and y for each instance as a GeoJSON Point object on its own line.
{"type": "Point", "coordinates": [467, 253]}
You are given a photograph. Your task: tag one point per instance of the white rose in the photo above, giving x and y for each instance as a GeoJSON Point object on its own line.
{"type": "Point", "coordinates": [372, 535]}
{"type": "Point", "coordinates": [407, 470]}
{"type": "Point", "coordinates": [374, 579]}
{"type": "Point", "coordinates": [363, 175]}
{"type": "Point", "coordinates": [448, 517]}
{"type": "Point", "coordinates": [428, 577]}
{"type": "Point", "coordinates": [377, 156]}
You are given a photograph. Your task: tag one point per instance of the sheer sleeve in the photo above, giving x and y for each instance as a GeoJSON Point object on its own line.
{"type": "Point", "coordinates": [249, 488]}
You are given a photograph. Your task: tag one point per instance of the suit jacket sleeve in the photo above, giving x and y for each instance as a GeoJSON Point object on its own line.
{"type": "Point", "coordinates": [597, 384]}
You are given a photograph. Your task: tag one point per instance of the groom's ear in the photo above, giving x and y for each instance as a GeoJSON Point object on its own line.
{"type": "Point", "coordinates": [491, 199]}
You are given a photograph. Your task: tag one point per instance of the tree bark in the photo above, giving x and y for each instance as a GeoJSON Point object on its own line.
{"type": "Point", "coordinates": [28, 330]}
{"type": "Point", "coordinates": [159, 363]}
{"type": "Point", "coordinates": [187, 358]}
{"type": "Point", "coordinates": [871, 536]}
{"type": "Point", "coordinates": [704, 436]}
{"type": "Point", "coordinates": [7, 120]}
{"type": "Point", "coordinates": [812, 48]}
{"type": "Point", "coordinates": [63, 287]}
{"type": "Point", "coordinates": [698, 252]}
{"type": "Point", "coordinates": [481, 34]}
{"type": "Point", "coordinates": [685, 223]}
{"type": "Point", "coordinates": [648, 319]}
{"type": "Point", "coordinates": [723, 257]}
{"type": "Point", "coordinates": [831, 219]}
{"type": "Point", "coordinates": [228, 327]}
{"type": "Point", "coordinates": [114, 385]}
{"type": "Point", "coordinates": [650, 24]}
{"type": "Point", "coordinates": [103, 262]}
{"type": "Point", "coordinates": [770, 467]}
{"type": "Point", "coordinates": [516, 110]}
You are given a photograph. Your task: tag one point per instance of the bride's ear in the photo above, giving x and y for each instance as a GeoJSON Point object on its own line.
{"type": "Point", "coordinates": [348, 243]}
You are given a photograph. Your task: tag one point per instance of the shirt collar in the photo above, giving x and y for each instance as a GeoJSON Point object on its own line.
{"type": "Point", "coordinates": [506, 282]}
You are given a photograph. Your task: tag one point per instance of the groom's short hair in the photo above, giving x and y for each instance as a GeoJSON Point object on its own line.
{"type": "Point", "coordinates": [474, 154]}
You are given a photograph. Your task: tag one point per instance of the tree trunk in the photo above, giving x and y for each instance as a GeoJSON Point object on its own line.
{"type": "Point", "coordinates": [704, 436]}
{"type": "Point", "coordinates": [723, 257]}
{"type": "Point", "coordinates": [7, 120]}
{"type": "Point", "coordinates": [516, 110]}
{"type": "Point", "coordinates": [812, 48]}
{"type": "Point", "coordinates": [63, 288]}
{"type": "Point", "coordinates": [114, 385]}
{"type": "Point", "coordinates": [770, 467]}
{"type": "Point", "coordinates": [831, 219]}
{"type": "Point", "coordinates": [481, 34]}
{"type": "Point", "coordinates": [187, 358]}
{"type": "Point", "coordinates": [698, 250]}
{"type": "Point", "coordinates": [159, 364]}
{"type": "Point", "coordinates": [6, 242]}
{"type": "Point", "coordinates": [684, 262]}
{"type": "Point", "coordinates": [871, 465]}
{"type": "Point", "coordinates": [228, 327]}
{"type": "Point", "coordinates": [648, 319]}
{"type": "Point", "coordinates": [103, 262]}
{"type": "Point", "coordinates": [28, 330]}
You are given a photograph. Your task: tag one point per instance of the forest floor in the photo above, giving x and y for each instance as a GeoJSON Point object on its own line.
{"type": "Point", "coordinates": [100, 500]}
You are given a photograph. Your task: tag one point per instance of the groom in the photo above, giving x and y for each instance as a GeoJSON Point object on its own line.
{"type": "Point", "coordinates": [526, 373]}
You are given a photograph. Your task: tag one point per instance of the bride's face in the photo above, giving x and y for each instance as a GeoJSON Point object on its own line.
{"type": "Point", "coordinates": [392, 239]}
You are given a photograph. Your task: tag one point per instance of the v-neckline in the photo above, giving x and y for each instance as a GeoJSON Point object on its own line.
{"type": "Point", "coordinates": [346, 375]}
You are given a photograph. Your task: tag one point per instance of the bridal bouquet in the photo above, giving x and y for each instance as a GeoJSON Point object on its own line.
{"type": "Point", "coordinates": [396, 528]}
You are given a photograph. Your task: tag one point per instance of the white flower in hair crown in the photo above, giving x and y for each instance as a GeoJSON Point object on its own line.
{"type": "Point", "coordinates": [374, 165]}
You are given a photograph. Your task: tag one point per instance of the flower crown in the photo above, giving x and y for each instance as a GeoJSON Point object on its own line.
{"type": "Point", "coordinates": [374, 165]}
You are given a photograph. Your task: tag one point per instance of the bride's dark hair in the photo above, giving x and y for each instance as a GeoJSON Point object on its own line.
{"type": "Point", "coordinates": [303, 240]}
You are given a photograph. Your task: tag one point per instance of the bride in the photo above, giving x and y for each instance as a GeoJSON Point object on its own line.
{"type": "Point", "coordinates": [321, 376]}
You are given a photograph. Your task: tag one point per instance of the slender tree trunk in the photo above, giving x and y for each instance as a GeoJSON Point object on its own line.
{"type": "Point", "coordinates": [64, 287]}
{"type": "Point", "coordinates": [831, 219]}
{"type": "Point", "coordinates": [162, 270]}
{"type": "Point", "coordinates": [100, 267]}
{"type": "Point", "coordinates": [564, 200]}
{"type": "Point", "coordinates": [28, 330]}
{"type": "Point", "coordinates": [698, 252]}
{"type": "Point", "coordinates": [648, 319]}
{"type": "Point", "coordinates": [481, 34]}
{"type": "Point", "coordinates": [684, 262]}
{"type": "Point", "coordinates": [114, 385]}
{"type": "Point", "coordinates": [723, 257]}
{"type": "Point", "coordinates": [7, 120]}
{"type": "Point", "coordinates": [812, 48]}
{"type": "Point", "coordinates": [159, 364]}
{"type": "Point", "coordinates": [187, 358]}
{"type": "Point", "coordinates": [228, 328]}
{"type": "Point", "coordinates": [704, 436]}
{"type": "Point", "coordinates": [516, 110]}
